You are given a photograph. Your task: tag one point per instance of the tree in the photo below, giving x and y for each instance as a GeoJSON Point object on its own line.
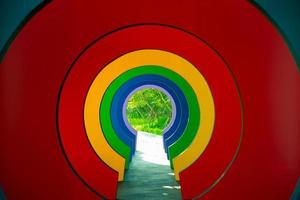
{"type": "Point", "coordinates": [149, 110]}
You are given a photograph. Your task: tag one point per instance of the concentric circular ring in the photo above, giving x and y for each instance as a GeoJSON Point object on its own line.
{"type": "Point", "coordinates": [204, 59]}
{"type": "Point", "coordinates": [121, 96]}
{"type": "Point", "coordinates": [180, 114]}
{"type": "Point", "coordinates": [182, 155]}
{"type": "Point", "coordinates": [131, 79]}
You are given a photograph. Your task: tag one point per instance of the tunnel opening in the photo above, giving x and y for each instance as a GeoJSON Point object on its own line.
{"type": "Point", "coordinates": [150, 111]}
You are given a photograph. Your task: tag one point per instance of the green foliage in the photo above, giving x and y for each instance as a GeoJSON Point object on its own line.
{"type": "Point", "coordinates": [149, 110]}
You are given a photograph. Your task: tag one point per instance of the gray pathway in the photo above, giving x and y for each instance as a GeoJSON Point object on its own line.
{"type": "Point", "coordinates": [149, 175]}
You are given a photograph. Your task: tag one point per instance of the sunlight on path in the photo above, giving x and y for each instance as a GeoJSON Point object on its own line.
{"type": "Point", "coordinates": [149, 175]}
{"type": "Point", "coordinates": [151, 147]}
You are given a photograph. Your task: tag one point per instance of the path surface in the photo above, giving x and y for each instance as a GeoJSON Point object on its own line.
{"type": "Point", "coordinates": [149, 175]}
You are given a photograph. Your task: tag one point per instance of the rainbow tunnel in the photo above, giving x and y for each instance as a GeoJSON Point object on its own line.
{"type": "Point", "coordinates": [68, 73]}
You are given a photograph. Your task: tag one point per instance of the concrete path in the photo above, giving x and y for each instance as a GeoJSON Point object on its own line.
{"type": "Point", "coordinates": [149, 175]}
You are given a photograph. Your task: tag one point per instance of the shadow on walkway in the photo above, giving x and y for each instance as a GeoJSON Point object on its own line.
{"type": "Point", "coordinates": [149, 175]}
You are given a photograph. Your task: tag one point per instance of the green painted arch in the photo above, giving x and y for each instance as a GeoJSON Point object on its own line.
{"type": "Point", "coordinates": [193, 123]}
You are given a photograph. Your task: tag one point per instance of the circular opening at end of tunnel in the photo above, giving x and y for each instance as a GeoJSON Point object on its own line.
{"type": "Point", "coordinates": [150, 109]}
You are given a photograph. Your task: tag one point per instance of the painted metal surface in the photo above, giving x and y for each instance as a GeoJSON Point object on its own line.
{"type": "Point", "coordinates": [257, 56]}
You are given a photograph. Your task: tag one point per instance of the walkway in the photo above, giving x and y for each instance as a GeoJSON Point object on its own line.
{"type": "Point", "coordinates": [149, 175]}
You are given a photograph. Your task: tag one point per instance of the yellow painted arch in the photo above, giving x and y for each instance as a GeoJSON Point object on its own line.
{"type": "Point", "coordinates": [136, 59]}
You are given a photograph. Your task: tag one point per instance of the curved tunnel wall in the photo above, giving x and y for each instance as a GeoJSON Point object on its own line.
{"type": "Point", "coordinates": [38, 63]}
